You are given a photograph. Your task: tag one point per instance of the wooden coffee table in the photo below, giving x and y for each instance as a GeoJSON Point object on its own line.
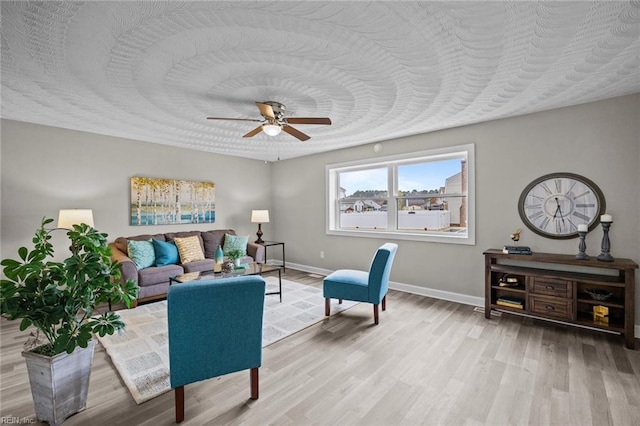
{"type": "Point", "coordinates": [250, 269]}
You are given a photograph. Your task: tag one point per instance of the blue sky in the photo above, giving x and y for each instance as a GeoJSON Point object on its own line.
{"type": "Point", "coordinates": [413, 176]}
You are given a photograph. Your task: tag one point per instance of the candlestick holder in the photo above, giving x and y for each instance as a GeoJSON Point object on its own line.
{"type": "Point", "coordinates": [605, 256]}
{"type": "Point", "coordinates": [582, 246]}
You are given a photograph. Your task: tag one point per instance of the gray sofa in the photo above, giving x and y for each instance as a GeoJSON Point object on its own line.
{"type": "Point", "coordinates": [153, 282]}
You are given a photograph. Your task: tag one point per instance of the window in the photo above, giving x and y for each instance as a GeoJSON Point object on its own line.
{"type": "Point", "coordinates": [427, 196]}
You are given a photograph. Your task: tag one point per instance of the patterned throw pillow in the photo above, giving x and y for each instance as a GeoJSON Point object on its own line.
{"type": "Point", "coordinates": [235, 242]}
{"type": "Point", "coordinates": [189, 249]}
{"type": "Point", "coordinates": [166, 252]}
{"type": "Point", "coordinates": [142, 253]}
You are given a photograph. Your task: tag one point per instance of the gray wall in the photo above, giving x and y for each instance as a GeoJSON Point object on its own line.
{"type": "Point", "coordinates": [599, 140]}
{"type": "Point", "coordinates": [45, 169]}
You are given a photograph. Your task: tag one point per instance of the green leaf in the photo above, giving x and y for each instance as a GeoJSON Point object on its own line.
{"type": "Point", "coordinates": [22, 252]}
{"type": "Point", "coordinates": [24, 324]}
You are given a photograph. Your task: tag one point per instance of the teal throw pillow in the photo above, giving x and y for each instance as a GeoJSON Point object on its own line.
{"type": "Point", "coordinates": [166, 252]}
{"type": "Point", "coordinates": [235, 242]}
{"type": "Point", "coordinates": [142, 253]}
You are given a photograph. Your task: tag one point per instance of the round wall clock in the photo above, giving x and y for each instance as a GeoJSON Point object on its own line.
{"type": "Point", "coordinates": [554, 205]}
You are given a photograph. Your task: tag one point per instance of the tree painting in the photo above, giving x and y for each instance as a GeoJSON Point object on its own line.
{"type": "Point", "coordinates": [169, 201]}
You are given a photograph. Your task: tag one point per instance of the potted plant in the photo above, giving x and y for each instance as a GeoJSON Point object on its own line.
{"type": "Point", "coordinates": [59, 299]}
{"type": "Point", "coordinates": [235, 255]}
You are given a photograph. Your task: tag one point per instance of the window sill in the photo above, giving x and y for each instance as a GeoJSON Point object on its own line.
{"type": "Point", "coordinates": [407, 236]}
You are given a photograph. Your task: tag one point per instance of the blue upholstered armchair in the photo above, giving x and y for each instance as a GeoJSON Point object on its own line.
{"type": "Point", "coordinates": [361, 286]}
{"type": "Point", "coordinates": [215, 328]}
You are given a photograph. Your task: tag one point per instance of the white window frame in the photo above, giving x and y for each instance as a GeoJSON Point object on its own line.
{"type": "Point", "coordinates": [391, 162]}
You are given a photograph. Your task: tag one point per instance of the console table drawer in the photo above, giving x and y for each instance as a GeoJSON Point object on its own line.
{"type": "Point", "coordinates": [551, 306]}
{"type": "Point", "coordinates": [552, 287]}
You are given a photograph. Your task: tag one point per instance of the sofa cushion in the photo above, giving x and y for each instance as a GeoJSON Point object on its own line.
{"type": "Point", "coordinates": [121, 242]}
{"type": "Point", "coordinates": [189, 249]}
{"type": "Point", "coordinates": [213, 239]}
{"type": "Point", "coordinates": [166, 252]}
{"type": "Point", "coordinates": [170, 236]}
{"type": "Point", "coordinates": [142, 253]}
{"type": "Point", "coordinates": [158, 275]}
{"type": "Point", "coordinates": [234, 242]}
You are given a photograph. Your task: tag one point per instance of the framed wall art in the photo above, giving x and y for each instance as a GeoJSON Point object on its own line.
{"type": "Point", "coordinates": [169, 201]}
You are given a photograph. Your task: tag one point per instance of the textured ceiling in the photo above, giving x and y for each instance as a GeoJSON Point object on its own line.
{"type": "Point", "coordinates": [153, 71]}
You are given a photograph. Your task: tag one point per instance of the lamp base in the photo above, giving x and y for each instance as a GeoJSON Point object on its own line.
{"type": "Point", "coordinates": [259, 234]}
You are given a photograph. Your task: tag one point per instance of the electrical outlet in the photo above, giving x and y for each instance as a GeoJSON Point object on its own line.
{"type": "Point", "coordinates": [321, 255]}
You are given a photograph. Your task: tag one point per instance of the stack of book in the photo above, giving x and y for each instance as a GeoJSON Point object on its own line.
{"type": "Point", "coordinates": [511, 302]}
{"type": "Point", "coordinates": [516, 250]}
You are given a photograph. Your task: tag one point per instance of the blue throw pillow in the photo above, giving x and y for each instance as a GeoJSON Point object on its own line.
{"type": "Point", "coordinates": [234, 242]}
{"type": "Point", "coordinates": [166, 252]}
{"type": "Point", "coordinates": [142, 253]}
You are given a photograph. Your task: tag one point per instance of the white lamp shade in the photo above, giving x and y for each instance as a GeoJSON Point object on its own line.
{"type": "Point", "coordinates": [271, 129]}
{"type": "Point", "coordinates": [260, 216]}
{"type": "Point", "coordinates": [69, 217]}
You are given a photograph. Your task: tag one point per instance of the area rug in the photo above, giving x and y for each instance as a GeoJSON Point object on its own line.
{"type": "Point", "coordinates": [140, 352]}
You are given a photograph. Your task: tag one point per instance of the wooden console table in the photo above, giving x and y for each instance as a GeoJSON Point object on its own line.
{"type": "Point", "coordinates": [547, 288]}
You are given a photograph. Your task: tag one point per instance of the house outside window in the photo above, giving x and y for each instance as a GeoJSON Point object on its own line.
{"type": "Point", "coordinates": [425, 196]}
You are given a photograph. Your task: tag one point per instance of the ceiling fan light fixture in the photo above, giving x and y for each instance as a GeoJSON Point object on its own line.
{"type": "Point", "coordinates": [272, 129]}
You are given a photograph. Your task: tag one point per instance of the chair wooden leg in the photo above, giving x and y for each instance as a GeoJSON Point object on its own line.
{"type": "Point", "coordinates": [375, 314]}
{"type": "Point", "coordinates": [179, 398]}
{"type": "Point", "coordinates": [339, 301]}
{"type": "Point", "coordinates": [384, 303]}
{"type": "Point", "coordinates": [327, 306]}
{"type": "Point", "coordinates": [254, 383]}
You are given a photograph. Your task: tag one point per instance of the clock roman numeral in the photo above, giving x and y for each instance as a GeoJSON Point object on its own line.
{"type": "Point", "coordinates": [545, 223]}
{"type": "Point", "coordinates": [558, 183]}
{"type": "Point", "coordinates": [536, 197]}
{"type": "Point", "coordinates": [546, 188]}
{"type": "Point", "coordinates": [580, 215]}
{"type": "Point", "coordinates": [533, 206]}
{"type": "Point", "coordinates": [582, 195]}
{"type": "Point", "coordinates": [585, 205]}
{"type": "Point", "coordinates": [536, 215]}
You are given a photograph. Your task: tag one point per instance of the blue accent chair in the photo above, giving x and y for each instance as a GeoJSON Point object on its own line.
{"type": "Point", "coordinates": [361, 286]}
{"type": "Point", "coordinates": [215, 328]}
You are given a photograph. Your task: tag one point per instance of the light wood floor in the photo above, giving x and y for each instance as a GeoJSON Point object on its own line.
{"type": "Point", "coordinates": [428, 362]}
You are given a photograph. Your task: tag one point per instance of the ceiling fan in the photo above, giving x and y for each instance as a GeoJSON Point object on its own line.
{"type": "Point", "coordinates": [274, 121]}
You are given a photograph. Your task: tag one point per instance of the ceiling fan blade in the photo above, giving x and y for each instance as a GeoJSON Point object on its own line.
{"type": "Point", "coordinates": [234, 119]}
{"type": "Point", "coordinates": [295, 133]}
{"type": "Point", "coordinates": [266, 110]}
{"type": "Point", "coordinates": [308, 120]}
{"type": "Point", "coordinates": [253, 132]}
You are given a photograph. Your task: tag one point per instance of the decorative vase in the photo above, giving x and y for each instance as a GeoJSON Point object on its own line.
{"type": "Point", "coordinates": [219, 258]}
{"type": "Point", "coordinates": [236, 262]}
{"type": "Point", "coordinates": [59, 384]}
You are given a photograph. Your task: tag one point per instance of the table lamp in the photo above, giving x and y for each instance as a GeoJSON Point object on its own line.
{"type": "Point", "coordinates": [259, 217]}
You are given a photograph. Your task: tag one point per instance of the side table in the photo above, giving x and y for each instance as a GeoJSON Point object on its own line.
{"type": "Point", "coordinates": [270, 244]}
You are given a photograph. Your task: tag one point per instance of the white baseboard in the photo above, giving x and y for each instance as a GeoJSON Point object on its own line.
{"type": "Point", "coordinates": [422, 291]}
{"type": "Point", "coordinates": [407, 288]}
{"type": "Point", "coordinates": [310, 269]}
{"type": "Point", "coordinates": [438, 294]}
